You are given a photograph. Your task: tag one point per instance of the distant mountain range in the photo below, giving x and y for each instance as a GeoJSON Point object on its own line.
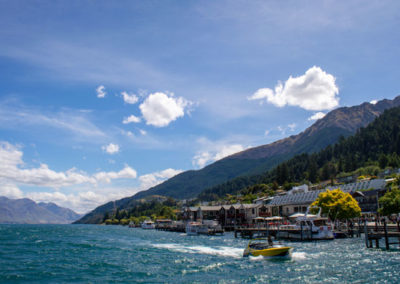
{"type": "Point", "coordinates": [343, 121]}
{"type": "Point", "coordinates": [27, 211]}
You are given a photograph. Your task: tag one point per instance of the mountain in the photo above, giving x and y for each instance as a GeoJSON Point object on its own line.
{"type": "Point", "coordinates": [340, 122]}
{"type": "Point", "coordinates": [368, 152]}
{"type": "Point", "coordinates": [27, 211]}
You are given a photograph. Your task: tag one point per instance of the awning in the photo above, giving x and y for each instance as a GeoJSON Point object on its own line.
{"type": "Point", "coordinates": [296, 215]}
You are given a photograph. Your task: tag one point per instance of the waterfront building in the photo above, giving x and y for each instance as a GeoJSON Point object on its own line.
{"type": "Point", "coordinates": [288, 204]}
{"type": "Point", "coordinates": [299, 198]}
{"type": "Point", "coordinates": [226, 215]}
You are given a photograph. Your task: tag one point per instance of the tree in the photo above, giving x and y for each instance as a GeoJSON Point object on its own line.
{"type": "Point", "coordinates": [337, 205]}
{"type": "Point", "coordinates": [312, 172]}
{"type": "Point", "coordinates": [383, 161]}
{"type": "Point", "coordinates": [390, 202]}
{"type": "Point", "coordinates": [106, 217]}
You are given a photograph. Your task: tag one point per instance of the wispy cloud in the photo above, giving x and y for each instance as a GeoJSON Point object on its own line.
{"type": "Point", "coordinates": [129, 98]}
{"type": "Point", "coordinates": [212, 151]}
{"type": "Point", "coordinates": [11, 172]}
{"type": "Point", "coordinates": [75, 122]}
{"type": "Point", "coordinates": [74, 61]}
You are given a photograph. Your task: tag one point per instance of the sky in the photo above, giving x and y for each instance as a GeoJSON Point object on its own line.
{"type": "Point", "coordinates": [102, 99]}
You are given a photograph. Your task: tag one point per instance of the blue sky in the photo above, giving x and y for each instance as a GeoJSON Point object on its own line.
{"type": "Point", "coordinates": [101, 99]}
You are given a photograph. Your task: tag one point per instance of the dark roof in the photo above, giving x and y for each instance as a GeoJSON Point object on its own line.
{"type": "Point", "coordinates": [297, 198]}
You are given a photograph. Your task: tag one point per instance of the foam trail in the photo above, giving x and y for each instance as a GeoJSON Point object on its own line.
{"type": "Point", "coordinates": [221, 251]}
{"type": "Point", "coordinates": [256, 258]}
{"type": "Point", "coordinates": [299, 255]}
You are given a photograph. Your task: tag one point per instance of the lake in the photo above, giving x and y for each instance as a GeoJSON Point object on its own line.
{"type": "Point", "coordinates": [92, 253]}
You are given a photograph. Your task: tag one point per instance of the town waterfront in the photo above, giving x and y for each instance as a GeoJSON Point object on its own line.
{"type": "Point", "coordinates": [92, 253]}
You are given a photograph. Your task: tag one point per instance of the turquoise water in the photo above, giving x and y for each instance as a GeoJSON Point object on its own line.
{"type": "Point", "coordinates": [90, 253]}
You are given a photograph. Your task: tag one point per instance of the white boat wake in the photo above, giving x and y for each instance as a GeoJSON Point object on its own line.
{"type": "Point", "coordinates": [221, 251]}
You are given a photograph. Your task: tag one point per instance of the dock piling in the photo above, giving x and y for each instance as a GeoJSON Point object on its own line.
{"type": "Point", "coordinates": [386, 234]}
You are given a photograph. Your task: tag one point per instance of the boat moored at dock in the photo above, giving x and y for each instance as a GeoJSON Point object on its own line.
{"type": "Point", "coordinates": [148, 225]}
{"type": "Point", "coordinates": [307, 227]}
{"type": "Point", "coordinates": [207, 227]}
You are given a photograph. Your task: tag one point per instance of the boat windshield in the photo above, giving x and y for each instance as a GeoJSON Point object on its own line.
{"type": "Point", "coordinates": [259, 245]}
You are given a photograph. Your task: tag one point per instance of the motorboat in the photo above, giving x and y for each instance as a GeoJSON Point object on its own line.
{"type": "Point", "coordinates": [264, 247]}
{"type": "Point", "coordinates": [148, 224]}
{"type": "Point", "coordinates": [307, 227]}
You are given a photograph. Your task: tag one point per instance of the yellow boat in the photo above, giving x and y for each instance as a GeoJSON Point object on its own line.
{"type": "Point", "coordinates": [263, 247]}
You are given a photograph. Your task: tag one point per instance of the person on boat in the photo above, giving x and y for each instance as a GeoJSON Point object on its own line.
{"type": "Point", "coordinates": [270, 242]}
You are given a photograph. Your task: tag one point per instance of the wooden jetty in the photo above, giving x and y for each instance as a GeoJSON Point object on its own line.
{"type": "Point", "coordinates": [275, 231]}
{"type": "Point", "coordinates": [303, 233]}
{"type": "Point", "coordinates": [389, 233]}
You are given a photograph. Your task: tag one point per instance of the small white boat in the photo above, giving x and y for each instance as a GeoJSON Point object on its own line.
{"type": "Point", "coordinates": [310, 227]}
{"type": "Point", "coordinates": [148, 224]}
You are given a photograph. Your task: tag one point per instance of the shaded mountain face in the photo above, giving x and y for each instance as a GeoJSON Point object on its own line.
{"type": "Point", "coordinates": [343, 121]}
{"type": "Point", "coordinates": [26, 211]}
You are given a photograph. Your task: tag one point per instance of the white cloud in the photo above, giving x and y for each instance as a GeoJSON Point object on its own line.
{"type": "Point", "coordinates": [215, 153]}
{"type": "Point", "coordinates": [374, 102]}
{"type": "Point", "coordinates": [101, 91]}
{"type": "Point", "coordinates": [10, 190]}
{"type": "Point", "coordinates": [75, 190]}
{"type": "Point", "coordinates": [317, 116]}
{"type": "Point", "coordinates": [111, 148]}
{"type": "Point", "coordinates": [266, 132]}
{"type": "Point", "coordinates": [315, 90]}
{"type": "Point", "coordinates": [13, 173]}
{"type": "Point", "coordinates": [129, 98]}
{"type": "Point", "coordinates": [150, 180]}
{"type": "Point", "coordinates": [143, 132]}
{"type": "Point", "coordinates": [292, 126]}
{"type": "Point", "coordinates": [131, 119]}
{"type": "Point", "coordinates": [106, 177]}
{"type": "Point", "coordinates": [160, 109]}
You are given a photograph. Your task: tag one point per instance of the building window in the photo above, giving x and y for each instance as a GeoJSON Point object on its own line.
{"type": "Point", "coordinates": [252, 211]}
